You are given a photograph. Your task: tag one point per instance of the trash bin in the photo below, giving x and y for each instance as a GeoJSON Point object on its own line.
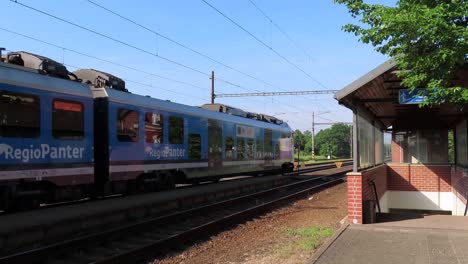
{"type": "Point", "coordinates": [369, 212]}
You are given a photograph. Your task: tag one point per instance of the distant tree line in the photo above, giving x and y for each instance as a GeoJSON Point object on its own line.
{"type": "Point", "coordinates": [334, 141]}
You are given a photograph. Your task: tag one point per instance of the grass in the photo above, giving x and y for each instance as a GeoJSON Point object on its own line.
{"type": "Point", "coordinates": [309, 238]}
{"type": "Point", "coordinates": [307, 159]}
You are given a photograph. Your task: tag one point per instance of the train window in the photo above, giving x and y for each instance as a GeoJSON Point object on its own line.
{"type": "Point", "coordinates": [268, 143]}
{"type": "Point", "coordinates": [194, 141]}
{"type": "Point", "coordinates": [67, 120]}
{"type": "Point", "coordinates": [127, 125]}
{"type": "Point", "coordinates": [229, 148]}
{"type": "Point", "coordinates": [240, 149]}
{"type": "Point", "coordinates": [20, 115]}
{"type": "Point", "coordinates": [176, 130]}
{"type": "Point", "coordinates": [277, 151]}
{"type": "Point", "coordinates": [259, 149]}
{"type": "Point", "coordinates": [250, 149]}
{"type": "Point", "coordinates": [154, 128]}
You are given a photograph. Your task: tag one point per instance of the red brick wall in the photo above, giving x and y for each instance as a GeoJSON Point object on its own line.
{"type": "Point", "coordinates": [415, 177]}
{"type": "Point", "coordinates": [460, 183]}
{"type": "Point", "coordinates": [359, 190]}
{"type": "Point", "coordinates": [354, 181]}
{"type": "Point", "coordinates": [396, 151]}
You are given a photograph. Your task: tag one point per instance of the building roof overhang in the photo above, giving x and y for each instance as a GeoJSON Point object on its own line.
{"type": "Point", "coordinates": [377, 94]}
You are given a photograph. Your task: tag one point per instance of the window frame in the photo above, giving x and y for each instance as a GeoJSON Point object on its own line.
{"type": "Point", "coordinates": [190, 152]}
{"type": "Point", "coordinates": [37, 110]}
{"type": "Point", "coordinates": [82, 114]}
{"type": "Point", "coordinates": [151, 124]}
{"type": "Point", "coordinates": [137, 129]}
{"type": "Point", "coordinates": [170, 128]}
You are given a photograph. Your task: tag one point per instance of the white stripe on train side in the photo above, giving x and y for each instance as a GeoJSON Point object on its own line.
{"type": "Point", "coordinates": [38, 174]}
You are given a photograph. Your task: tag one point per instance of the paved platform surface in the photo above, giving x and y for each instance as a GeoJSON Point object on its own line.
{"type": "Point", "coordinates": [433, 239]}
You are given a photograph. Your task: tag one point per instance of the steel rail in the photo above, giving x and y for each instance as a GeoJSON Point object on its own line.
{"type": "Point", "coordinates": [39, 255]}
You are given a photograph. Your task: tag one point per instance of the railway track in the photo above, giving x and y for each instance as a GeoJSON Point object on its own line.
{"type": "Point", "coordinates": [308, 168]}
{"type": "Point", "coordinates": [139, 241]}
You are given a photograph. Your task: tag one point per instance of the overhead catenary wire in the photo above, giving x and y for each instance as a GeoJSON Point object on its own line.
{"type": "Point", "coordinates": [158, 34]}
{"type": "Point", "coordinates": [147, 85]}
{"type": "Point", "coordinates": [280, 29]}
{"type": "Point", "coordinates": [185, 46]}
{"type": "Point", "coordinates": [115, 63]}
{"type": "Point", "coordinates": [264, 44]}
{"type": "Point", "coordinates": [121, 42]}
{"type": "Point", "coordinates": [100, 59]}
{"type": "Point", "coordinates": [112, 38]}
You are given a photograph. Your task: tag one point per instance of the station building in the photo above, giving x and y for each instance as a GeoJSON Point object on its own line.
{"type": "Point", "coordinates": [420, 175]}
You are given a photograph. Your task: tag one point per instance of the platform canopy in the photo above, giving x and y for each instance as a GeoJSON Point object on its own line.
{"type": "Point", "coordinates": [378, 92]}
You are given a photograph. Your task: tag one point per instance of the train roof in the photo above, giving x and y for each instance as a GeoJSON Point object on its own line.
{"type": "Point", "coordinates": [150, 102]}
{"type": "Point", "coordinates": [26, 77]}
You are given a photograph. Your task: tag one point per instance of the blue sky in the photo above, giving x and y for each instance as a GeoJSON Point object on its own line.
{"type": "Point", "coordinates": [331, 57]}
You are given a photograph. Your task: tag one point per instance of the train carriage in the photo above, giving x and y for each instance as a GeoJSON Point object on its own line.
{"type": "Point", "coordinates": [46, 137]}
{"type": "Point", "coordinates": [72, 135]}
{"type": "Point", "coordinates": [158, 143]}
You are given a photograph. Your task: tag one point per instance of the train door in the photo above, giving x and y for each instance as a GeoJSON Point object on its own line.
{"type": "Point", "coordinates": [215, 142]}
{"type": "Point", "coordinates": [268, 148]}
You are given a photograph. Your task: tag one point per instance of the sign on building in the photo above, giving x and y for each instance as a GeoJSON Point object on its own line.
{"type": "Point", "coordinates": [406, 96]}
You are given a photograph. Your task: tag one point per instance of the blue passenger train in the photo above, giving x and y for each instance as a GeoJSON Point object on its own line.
{"type": "Point", "coordinates": [66, 136]}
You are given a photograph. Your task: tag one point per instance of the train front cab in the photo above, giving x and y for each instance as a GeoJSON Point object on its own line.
{"type": "Point", "coordinates": [420, 176]}
{"type": "Point", "coordinates": [46, 139]}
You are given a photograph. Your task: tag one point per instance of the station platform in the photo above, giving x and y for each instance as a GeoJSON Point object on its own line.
{"type": "Point", "coordinates": [405, 239]}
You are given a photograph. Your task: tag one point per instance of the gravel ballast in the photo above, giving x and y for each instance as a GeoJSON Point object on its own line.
{"type": "Point", "coordinates": [286, 235]}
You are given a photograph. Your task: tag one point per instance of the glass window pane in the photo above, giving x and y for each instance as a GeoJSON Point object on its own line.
{"type": "Point", "coordinates": [250, 149]}
{"type": "Point", "coordinates": [20, 115]}
{"type": "Point", "coordinates": [67, 120]}
{"type": "Point", "coordinates": [277, 150]}
{"type": "Point", "coordinates": [240, 148]}
{"type": "Point", "coordinates": [259, 149]}
{"type": "Point", "coordinates": [229, 148]}
{"type": "Point", "coordinates": [366, 142]}
{"type": "Point", "coordinates": [462, 143]}
{"type": "Point", "coordinates": [127, 125]}
{"type": "Point", "coordinates": [154, 128]}
{"type": "Point", "coordinates": [423, 146]}
{"type": "Point", "coordinates": [194, 142]}
{"type": "Point", "coordinates": [379, 147]}
{"type": "Point", "coordinates": [268, 144]}
{"type": "Point", "coordinates": [176, 130]}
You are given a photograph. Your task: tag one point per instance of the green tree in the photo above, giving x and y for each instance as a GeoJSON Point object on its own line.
{"type": "Point", "coordinates": [305, 138]}
{"type": "Point", "coordinates": [428, 39]}
{"type": "Point", "coordinates": [334, 141]}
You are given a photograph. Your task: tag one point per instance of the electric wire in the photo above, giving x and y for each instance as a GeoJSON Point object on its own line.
{"type": "Point", "coordinates": [100, 59]}
{"type": "Point", "coordinates": [184, 46]}
{"type": "Point", "coordinates": [147, 85]}
{"type": "Point", "coordinates": [280, 29]}
{"type": "Point", "coordinates": [122, 42]}
{"type": "Point", "coordinates": [188, 48]}
{"type": "Point", "coordinates": [264, 44]}
{"type": "Point", "coordinates": [130, 45]}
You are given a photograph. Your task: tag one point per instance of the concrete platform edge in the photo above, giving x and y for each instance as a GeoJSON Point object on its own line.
{"type": "Point", "coordinates": [329, 242]}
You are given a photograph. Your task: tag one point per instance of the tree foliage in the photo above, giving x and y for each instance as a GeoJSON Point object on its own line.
{"type": "Point", "coordinates": [334, 141]}
{"type": "Point", "coordinates": [427, 38]}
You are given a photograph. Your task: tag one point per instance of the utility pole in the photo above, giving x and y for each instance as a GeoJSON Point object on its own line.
{"type": "Point", "coordinates": [313, 132]}
{"type": "Point", "coordinates": [212, 88]}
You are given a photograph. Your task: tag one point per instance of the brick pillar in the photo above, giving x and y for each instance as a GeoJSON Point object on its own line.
{"type": "Point", "coordinates": [354, 197]}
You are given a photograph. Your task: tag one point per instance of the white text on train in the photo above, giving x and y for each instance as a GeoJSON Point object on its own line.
{"type": "Point", "coordinates": [43, 152]}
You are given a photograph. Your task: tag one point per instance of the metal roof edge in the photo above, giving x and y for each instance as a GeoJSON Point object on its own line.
{"type": "Point", "coordinates": [382, 68]}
